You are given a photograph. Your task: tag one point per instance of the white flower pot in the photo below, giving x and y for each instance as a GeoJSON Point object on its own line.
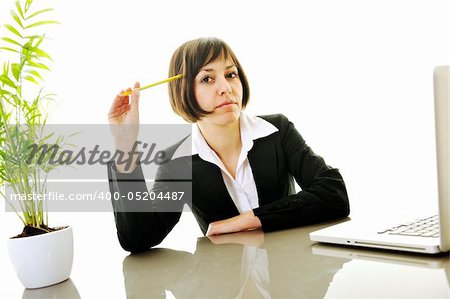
{"type": "Point", "coordinates": [42, 260]}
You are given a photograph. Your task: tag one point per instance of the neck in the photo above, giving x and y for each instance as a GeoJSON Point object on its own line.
{"type": "Point", "coordinates": [223, 139]}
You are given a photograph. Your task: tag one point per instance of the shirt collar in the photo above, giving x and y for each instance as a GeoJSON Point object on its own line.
{"type": "Point", "coordinates": [252, 128]}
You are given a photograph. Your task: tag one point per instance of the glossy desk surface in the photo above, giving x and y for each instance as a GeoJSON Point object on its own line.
{"type": "Point", "coordinates": [284, 264]}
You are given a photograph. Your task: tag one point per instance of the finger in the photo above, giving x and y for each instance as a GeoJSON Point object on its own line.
{"type": "Point", "coordinates": [210, 230]}
{"type": "Point", "coordinates": [119, 111]}
{"type": "Point", "coordinates": [119, 108]}
{"type": "Point", "coordinates": [120, 105]}
{"type": "Point", "coordinates": [117, 102]}
{"type": "Point", "coordinates": [134, 102]}
{"type": "Point", "coordinates": [120, 98]}
{"type": "Point", "coordinates": [216, 228]}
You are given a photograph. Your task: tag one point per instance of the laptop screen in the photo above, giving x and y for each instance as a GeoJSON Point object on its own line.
{"type": "Point", "coordinates": [442, 111]}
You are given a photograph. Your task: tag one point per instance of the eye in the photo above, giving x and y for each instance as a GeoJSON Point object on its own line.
{"type": "Point", "coordinates": [232, 75]}
{"type": "Point", "coordinates": [206, 79]}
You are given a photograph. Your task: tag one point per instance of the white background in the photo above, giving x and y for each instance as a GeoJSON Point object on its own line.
{"type": "Point", "coordinates": [354, 77]}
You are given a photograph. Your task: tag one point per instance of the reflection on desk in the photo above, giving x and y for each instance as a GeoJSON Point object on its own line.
{"type": "Point", "coordinates": [381, 274]}
{"type": "Point", "coordinates": [241, 265]}
{"type": "Point", "coordinates": [283, 264]}
{"type": "Point", "coordinates": [65, 289]}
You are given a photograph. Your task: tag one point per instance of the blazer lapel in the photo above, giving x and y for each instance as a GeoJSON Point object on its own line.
{"type": "Point", "coordinates": [214, 194]}
{"type": "Point", "coordinates": [262, 158]}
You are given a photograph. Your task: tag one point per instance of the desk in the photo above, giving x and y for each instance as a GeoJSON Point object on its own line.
{"type": "Point", "coordinates": [284, 264]}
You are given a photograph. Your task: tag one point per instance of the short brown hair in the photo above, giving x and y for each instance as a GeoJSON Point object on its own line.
{"type": "Point", "coordinates": [188, 59]}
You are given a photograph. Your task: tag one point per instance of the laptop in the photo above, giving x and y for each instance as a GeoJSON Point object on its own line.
{"type": "Point", "coordinates": [428, 235]}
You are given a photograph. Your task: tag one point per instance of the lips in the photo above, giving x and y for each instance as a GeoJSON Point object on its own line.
{"type": "Point", "coordinates": [224, 103]}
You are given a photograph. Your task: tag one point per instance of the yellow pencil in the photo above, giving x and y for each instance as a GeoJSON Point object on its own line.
{"type": "Point", "coordinates": [127, 93]}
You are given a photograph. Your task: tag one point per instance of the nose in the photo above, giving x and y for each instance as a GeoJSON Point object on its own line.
{"type": "Point", "coordinates": [223, 87]}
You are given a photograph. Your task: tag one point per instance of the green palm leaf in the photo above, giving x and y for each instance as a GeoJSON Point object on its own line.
{"type": "Point", "coordinates": [16, 18]}
{"type": "Point", "coordinates": [42, 53]}
{"type": "Point", "coordinates": [13, 30]}
{"type": "Point", "coordinates": [38, 65]}
{"type": "Point", "coordinates": [27, 5]}
{"type": "Point", "coordinates": [34, 73]}
{"type": "Point", "coordinates": [15, 68]}
{"type": "Point", "coordinates": [41, 23]}
{"type": "Point", "coordinates": [38, 13]}
{"type": "Point", "coordinates": [19, 9]}
{"type": "Point", "coordinates": [7, 81]}
{"type": "Point", "coordinates": [9, 49]}
{"type": "Point", "coordinates": [11, 41]}
{"type": "Point", "coordinates": [31, 79]}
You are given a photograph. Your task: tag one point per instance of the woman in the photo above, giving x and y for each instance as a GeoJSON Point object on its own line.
{"type": "Point", "coordinates": [242, 168]}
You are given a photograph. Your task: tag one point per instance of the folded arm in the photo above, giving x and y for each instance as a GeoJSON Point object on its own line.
{"type": "Point", "coordinates": [138, 231]}
{"type": "Point", "coordinates": [323, 194]}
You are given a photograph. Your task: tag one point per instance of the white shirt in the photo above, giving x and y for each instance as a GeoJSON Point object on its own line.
{"type": "Point", "coordinates": [242, 189]}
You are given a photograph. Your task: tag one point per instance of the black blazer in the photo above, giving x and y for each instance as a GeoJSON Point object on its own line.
{"type": "Point", "coordinates": [276, 160]}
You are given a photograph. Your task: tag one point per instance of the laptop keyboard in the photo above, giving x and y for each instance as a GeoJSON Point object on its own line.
{"type": "Point", "coordinates": [427, 227]}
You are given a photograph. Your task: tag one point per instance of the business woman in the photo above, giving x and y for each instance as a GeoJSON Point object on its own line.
{"type": "Point", "coordinates": [243, 166]}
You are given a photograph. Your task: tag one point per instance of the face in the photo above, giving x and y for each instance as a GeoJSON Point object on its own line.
{"type": "Point", "coordinates": [218, 89]}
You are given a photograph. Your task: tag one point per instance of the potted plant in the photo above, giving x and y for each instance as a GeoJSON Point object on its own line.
{"type": "Point", "coordinates": [41, 255]}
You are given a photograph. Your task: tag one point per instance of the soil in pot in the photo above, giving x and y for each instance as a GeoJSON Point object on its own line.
{"type": "Point", "coordinates": [29, 231]}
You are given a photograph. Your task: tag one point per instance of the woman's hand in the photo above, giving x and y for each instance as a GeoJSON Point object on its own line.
{"type": "Point", "coordinates": [123, 118]}
{"type": "Point", "coordinates": [243, 222]}
{"type": "Point", "coordinates": [254, 238]}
